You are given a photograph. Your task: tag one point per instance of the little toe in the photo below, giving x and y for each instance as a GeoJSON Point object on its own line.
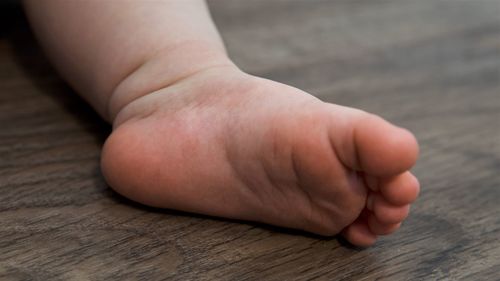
{"type": "Point", "coordinates": [386, 212]}
{"type": "Point", "coordinates": [400, 190]}
{"type": "Point", "coordinates": [359, 234]}
{"type": "Point", "coordinates": [380, 228]}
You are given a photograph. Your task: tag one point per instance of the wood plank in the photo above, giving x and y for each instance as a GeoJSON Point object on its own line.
{"type": "Point", "coordinates": [431, 66]}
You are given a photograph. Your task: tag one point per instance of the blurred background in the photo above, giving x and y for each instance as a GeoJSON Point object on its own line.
{"type": "Point", "coordinates": [432, 66]}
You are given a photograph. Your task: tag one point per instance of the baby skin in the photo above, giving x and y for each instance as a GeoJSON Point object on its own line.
{"type": "Point", "coordinates": [207, 138]}
{"type": "Point", "coordinates": [224, 143]}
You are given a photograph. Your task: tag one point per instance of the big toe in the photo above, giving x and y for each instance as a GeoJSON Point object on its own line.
{"type": "Point", "coordinates": [379, 148]}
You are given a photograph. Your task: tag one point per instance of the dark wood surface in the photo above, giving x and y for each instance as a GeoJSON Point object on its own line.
{"type": "Point", "coordinates": [432, 66]}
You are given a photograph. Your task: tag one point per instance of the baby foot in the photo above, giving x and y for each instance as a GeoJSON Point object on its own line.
{"type": "Point", "coordinates": [225, 143]}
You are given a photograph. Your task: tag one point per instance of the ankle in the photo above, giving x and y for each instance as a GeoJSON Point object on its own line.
{"type": "Point", "coordinates": [165, 69]}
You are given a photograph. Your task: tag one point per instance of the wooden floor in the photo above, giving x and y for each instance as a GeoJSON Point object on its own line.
{"type": "Point", "coordinates": [432, 66]}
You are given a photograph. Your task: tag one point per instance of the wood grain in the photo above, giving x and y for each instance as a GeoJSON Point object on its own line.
{"type": "Point", "coordinates": [431, 66]}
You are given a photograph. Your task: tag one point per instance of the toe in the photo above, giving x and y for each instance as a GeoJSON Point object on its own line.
{"type": "Point", "coordinates": [359, 234]}
{"type": "Point", "coordinates": [380, 228]}
{"type": "Point", "coordinates": [382, 149]}
{"type": "Point", "coordinates": [386, 212]}
{"type": "Point", "coordinates": [400, 190]}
